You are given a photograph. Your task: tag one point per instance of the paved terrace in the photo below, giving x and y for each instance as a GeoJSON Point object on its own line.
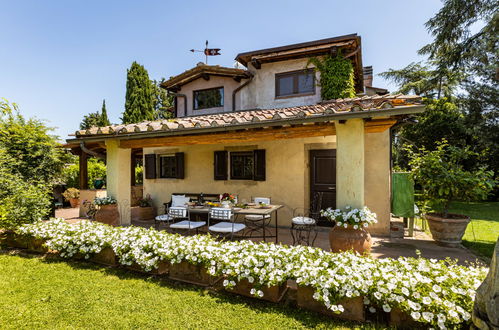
{"type": "Point", "coordinates": [383, 247]}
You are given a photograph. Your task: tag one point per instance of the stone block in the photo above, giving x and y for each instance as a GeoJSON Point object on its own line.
{"type": "Point", "coordinates": [272, 294]}
{"type": "Point", "coordinates": [105, 257]}
{"type": "Point", "coordinates": [397, 229]}
{"type": "Point", "coordinates": [190, 273]}
{"type": "Point", "coordinates": [354, 307]}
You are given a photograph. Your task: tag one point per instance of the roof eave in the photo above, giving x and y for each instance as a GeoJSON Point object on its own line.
{"type": "Point", "coordinates": [401, 110]}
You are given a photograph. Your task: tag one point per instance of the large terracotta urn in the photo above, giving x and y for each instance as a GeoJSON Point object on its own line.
{"type": "Point", "coordinates": [345, 239]}
{"type": "Point", "coordinates": [447, 231]}
{"type": "Point", "coordinates": [108, 214]}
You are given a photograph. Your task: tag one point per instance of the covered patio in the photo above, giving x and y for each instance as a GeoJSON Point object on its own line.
{"type": "Point", "coordinates": [355, 134]}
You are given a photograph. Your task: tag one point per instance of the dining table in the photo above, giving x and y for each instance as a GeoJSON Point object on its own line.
{"type": "Point", "coordinates": [249, 210]}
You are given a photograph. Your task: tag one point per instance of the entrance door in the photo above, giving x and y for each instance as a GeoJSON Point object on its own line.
{"type": "Point", "coordinates": [323, 178]}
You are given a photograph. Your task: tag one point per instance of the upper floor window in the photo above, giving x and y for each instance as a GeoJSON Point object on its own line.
{"type": "Point", "coordinates": [208, 98]}
{"type": "Point", "coordinates": [295, 83]}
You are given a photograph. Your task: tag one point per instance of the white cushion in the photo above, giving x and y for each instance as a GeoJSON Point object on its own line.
{"type": "Point", "coordinates": [259, 200]}
{"type": "Point", "coordinates": [163, 217]}
{"type": "Point", "coordinates": [256, 217]}
{"type": "Point", "coordinates": [303, 221]}
{"type": "Point", "coordinates": [187, 224]}
{"type": "Point", "coordinates": [179, 200]}
{"type": "Point", "coordinates": [226, 227]}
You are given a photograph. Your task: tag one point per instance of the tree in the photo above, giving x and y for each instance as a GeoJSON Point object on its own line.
{"type": "Point", "coordinates": [30, 163]}
{"type": "Point", "coordinates": [104, 120]}
{"type": "Point", "coordinates": [162, 101]}
{"type": "Point", "coordinates": [139, 98]}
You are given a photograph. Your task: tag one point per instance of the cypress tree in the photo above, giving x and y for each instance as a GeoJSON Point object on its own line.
{"type": "Point", "coordinates": [139, 104]}
{"type": "Point", "coordinates": [104, 120]}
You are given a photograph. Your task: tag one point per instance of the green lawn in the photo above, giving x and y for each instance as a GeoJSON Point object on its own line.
{"type": "Point", "coordinates": [51, 293]}
{"type": "Point", "coordinates": [482, 232]}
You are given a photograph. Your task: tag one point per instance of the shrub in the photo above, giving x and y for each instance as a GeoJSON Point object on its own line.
{"type": "Point", "coordinates": [96, 169]}
{"type": "Point", "coordinates": [436, 293]}
{"type": "Point", "coordinates": [444, 178]}
{"type": "Point", "coordinates": [71, 193]}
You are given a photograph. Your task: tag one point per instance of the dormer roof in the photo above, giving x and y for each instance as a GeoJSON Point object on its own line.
{"type": "Point", "coordinates": [203, 71]}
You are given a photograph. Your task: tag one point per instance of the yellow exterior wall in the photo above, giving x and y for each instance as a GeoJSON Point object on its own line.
{"type": "Point", "coordinates": [350, 164]}
{"type": "Point", "coordinates": [287, 173]}
{"type": "Point", "coordinates": [118, 180]}
{"type": "Point", "coordinates": [377, 179]}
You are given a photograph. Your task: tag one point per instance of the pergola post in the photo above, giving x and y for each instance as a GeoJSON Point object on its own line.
{"type": "Point", "coordinates": [118, 178]}
{"type": "Point", "coordinates": [350, 167]}
{"type": "Point", "coordinates": [83, 178]}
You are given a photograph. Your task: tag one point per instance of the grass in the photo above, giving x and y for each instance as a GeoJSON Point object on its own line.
{"type": "Point", "coordinates": [483, 231]}
{"type": "Point", "coordinates": [50, 293]}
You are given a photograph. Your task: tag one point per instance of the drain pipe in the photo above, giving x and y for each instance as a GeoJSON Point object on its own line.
{"type": "Point", "coordinates": [176, 102]}
{"type": "Point", "coordinates": [91, 152]}
{"type": "Point", "coordinates": [237, 90]}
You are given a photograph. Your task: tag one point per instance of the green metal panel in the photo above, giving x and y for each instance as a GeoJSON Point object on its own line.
{"type": "Point", "coordinates": [402, 195]}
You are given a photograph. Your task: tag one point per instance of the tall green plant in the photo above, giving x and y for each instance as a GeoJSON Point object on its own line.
{"type": "Point", "coordinates": [336, 76]}
{"type": "Point", "coordinates": [443, 177]}
{"type": "Point", "coordinates": [139, 98]}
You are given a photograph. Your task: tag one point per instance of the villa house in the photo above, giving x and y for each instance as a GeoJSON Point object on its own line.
{"type": "Point", "coordinates": [261, 130]}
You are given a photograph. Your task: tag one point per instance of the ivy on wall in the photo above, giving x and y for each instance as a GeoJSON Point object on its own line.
{"type": "Point", "coordinates": [337, 76]}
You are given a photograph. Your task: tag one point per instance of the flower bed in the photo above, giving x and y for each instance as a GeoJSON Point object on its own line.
{"type": "Point", "coordinates": [437, 293]}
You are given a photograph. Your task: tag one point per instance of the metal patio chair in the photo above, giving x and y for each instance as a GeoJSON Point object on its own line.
{"type": "Point", "coordinates": [304, 222]}
{"type": "Point", "coordinates": [226, 224]}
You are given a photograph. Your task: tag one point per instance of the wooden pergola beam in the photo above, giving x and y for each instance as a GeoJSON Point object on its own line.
{"type": "Point", "coordinates": [266, 134]}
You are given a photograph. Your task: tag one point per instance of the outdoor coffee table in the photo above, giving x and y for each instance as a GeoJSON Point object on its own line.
{"type": "Point", "coordinates": [269, 210]}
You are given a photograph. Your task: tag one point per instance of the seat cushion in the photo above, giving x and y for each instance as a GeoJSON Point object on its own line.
{"type": "Point", "coordinates": [179, 200]}
{"type": "Point", "coordinates": [226, 227]}
{"type": "Point", "coordinates": [256, 217]}
{"type": "Point", "coordinates": [187, 224]}
{"type": "Point", "coordinates": [303, 221]}
{"type": "Point", "coordinates": [163, 217]}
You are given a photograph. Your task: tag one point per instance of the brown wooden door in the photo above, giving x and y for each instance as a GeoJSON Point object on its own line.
{"type": "Point", "coordinates": [323, 177]}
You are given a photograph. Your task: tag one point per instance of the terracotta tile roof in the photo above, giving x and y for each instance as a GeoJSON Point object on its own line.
{"type": "Point", "coordinates": [357, 104]}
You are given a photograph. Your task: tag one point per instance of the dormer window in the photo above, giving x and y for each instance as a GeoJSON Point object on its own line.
{"type": "Point", "coordinates": [295, 83]}
{"type": "Point", "coordinates": [208, 98]}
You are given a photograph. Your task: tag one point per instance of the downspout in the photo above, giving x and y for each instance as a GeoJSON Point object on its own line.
{"type": "Point", "coordinates": [185, 102]}
{"type": "Point", "coordinates": [91, 152]}
{"type": "Point", "coordinates": [237, 90]}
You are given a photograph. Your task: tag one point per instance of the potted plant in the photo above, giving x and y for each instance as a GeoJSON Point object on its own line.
{"type": "Point", "coordinates": [107, 210]}
{"type": "Point", "coordinates": [443, 178]}
{"type": "Point", "coordinates": [145, 210]}
{"type": "Point", "coordinates": [72, 196]}
{"type": "Point", "coordinates": [350, 232]}
{"type": "Point", "coordinates": [227, 200]}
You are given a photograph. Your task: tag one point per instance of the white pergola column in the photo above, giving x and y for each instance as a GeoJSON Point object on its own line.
{"type": "Point", "coordinates": [350, 163]}
{"type": "Point", "coordinates": [119, 177]}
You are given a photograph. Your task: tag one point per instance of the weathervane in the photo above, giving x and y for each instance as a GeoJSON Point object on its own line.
{"type": "Point", "coordinates": [208, 51]}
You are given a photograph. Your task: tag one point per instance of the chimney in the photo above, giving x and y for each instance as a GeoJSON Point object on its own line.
{"type": "Point", "coordinates": [368, 76]}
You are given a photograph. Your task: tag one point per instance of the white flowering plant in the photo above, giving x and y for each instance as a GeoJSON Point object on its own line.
{"type": "Point", "coordinates": [436, 293]}
{"type": "Point", "coordinates": [349, 217]}
{"type": "Point", "coordinates": [104, 200]}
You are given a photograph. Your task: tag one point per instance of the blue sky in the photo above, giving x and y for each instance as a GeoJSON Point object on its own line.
{"type": "Point", "coordinates": [60, 58]}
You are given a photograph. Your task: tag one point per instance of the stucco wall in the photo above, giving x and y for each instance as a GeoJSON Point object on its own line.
{"type": "Point", "coordinates": [260, 93]}
{"type": "Point", "coordinates": [228, 83]}
{"type": "Point", "coordinates": [377, 179]}
{"type": "Point", "coordinates": [287, 174]}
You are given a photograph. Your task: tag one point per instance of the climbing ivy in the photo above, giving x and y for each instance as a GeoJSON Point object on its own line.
{"type": "Point", "coordinates": [337, 76]}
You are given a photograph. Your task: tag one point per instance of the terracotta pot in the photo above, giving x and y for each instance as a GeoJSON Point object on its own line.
{"type": "Point", "coordinates": [344, 239]}
{"type": "Point", "coordinates": [447, 231]}
{"type": "Point", "coordinates": [74, 202]}
{"type": "Point", "coordinates": [105, 257]}
{"type": "Point", "coordinates": [108, 214]}
{"type": "Point", "coordinates": [143, 213]}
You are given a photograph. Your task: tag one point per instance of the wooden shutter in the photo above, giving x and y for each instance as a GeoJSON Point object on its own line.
{"type": "Point", "coordinates": [259, 163]}
{"type": "Point", "coordinates": [179, 157]}
{"type": "Point", "coordinates": [150, 166]}
{"type": "Point", "coordinates": [220, 165]}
